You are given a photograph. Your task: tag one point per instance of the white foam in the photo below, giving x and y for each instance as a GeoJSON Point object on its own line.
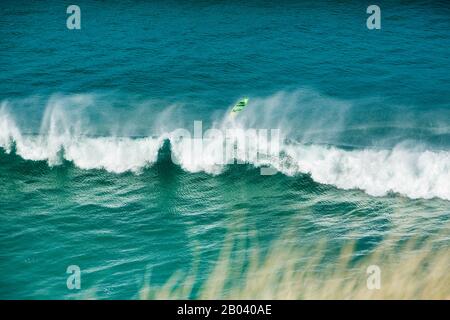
{"type": "Point", "coordinates": [413, 173]}
{"type": "Point", "coordinates": [404, 170]}
{"type": "Point", "coordinates": [114, 154]}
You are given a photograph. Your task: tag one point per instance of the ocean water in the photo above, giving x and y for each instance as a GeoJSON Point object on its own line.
{"type": "Point", "coordinates": [91, 173]}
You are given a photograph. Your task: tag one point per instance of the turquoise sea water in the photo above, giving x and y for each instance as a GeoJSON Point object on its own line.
{"type": "Point", "coordinates": [86, 116]}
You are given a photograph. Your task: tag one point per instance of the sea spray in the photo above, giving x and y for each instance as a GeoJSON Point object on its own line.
{"type": "Point", "coordinates": [66, 134]}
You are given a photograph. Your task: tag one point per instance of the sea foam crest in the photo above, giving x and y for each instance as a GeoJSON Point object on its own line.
{"type": "Point", "coordinates": [114, 154]}
{"type": "Point", "coordinates": [411, 172]}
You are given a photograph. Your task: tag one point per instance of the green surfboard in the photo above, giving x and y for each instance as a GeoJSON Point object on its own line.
{"type": "Point", "coordinates": [238, 107]}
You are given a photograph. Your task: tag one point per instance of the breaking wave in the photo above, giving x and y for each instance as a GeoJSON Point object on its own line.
{"type": "Point", "coordinates": [406, 170]}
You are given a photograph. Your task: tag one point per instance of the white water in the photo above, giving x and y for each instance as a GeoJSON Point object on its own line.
{"type": "Point", "coordinates": [411, 172]}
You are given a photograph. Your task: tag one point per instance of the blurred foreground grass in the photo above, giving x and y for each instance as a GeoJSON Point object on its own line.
{"type": "Point", "coordinates": [412, 271]}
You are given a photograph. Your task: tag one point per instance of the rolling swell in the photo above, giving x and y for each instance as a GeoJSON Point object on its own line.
{"type": "Point", "coordinates": [413, 173]}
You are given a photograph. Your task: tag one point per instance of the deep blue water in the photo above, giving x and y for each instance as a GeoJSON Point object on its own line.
{"type": "Point", "coordinates": [86, 176]}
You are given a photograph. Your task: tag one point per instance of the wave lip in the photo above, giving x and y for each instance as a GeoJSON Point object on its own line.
{"type": "Point", "coordinates": [415, 174]}
{"type": "Point", "coordinates": [114, 154]}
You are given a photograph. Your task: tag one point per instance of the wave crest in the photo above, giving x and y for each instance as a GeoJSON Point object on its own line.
{"type": "Point", "coordinates": [405, 170]}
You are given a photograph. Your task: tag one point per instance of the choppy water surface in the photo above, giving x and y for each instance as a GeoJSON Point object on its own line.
{"type": "Point", "coordinates": [87, 120]}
